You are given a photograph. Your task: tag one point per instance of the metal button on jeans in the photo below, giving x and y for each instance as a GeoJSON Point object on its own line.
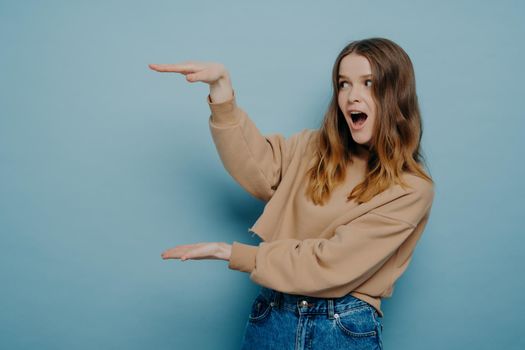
{"type": "Point", "coordinates": [304, 303]}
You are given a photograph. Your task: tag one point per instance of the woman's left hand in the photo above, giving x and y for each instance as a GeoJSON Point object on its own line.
{"type": "Point", "coordinates": [205, 250]}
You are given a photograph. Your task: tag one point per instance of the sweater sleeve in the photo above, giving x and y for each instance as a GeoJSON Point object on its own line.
{"type": "Point", "coordinates": [257, 162]}
{"type": "Point", "coordinates": [335, 266]}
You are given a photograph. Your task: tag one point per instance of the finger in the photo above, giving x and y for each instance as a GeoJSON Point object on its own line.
{"type": "Point", "coordinates": [194, 253]}
{"type": "Point", "coordinates": [183, 68]}
{"type": "Point", "coordinates": [175, 253]}
{"type": "Point", "coordinates": [186, 251]}
{"type": "Point", "coordinates": [199, 251]}
{"type": "Point", "coordinates": [180, 250]}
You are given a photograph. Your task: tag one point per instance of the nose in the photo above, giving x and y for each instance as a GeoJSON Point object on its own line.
{"type": "Point", "coordinates": [354, 95]}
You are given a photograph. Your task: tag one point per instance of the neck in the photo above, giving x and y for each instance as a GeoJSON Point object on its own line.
{"type": "Point", "coordinates": [362, 151]}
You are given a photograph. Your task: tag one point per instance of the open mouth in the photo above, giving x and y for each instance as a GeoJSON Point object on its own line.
{"type": "Point", "coordinates": [358, 118]}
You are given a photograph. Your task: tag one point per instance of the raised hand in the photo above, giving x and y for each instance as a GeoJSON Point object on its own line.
{"type": "Point", "coordinates": [212, 73]}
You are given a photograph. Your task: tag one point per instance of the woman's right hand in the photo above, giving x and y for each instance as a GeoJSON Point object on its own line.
{"type": "Point", "coordinates": [214, 74]}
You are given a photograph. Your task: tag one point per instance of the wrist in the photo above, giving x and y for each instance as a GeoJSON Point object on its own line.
{"type": "Point", "coordinates": [221, 90]}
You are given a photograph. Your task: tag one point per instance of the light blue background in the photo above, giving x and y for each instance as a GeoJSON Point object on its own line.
{"type": "Point", "coordinates": [104, 164]}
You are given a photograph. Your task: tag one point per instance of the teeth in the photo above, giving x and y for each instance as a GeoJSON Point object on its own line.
{"type": "Point", "coordinates": [354, 112]}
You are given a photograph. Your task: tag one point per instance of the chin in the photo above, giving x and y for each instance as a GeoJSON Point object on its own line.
{"type": "Point", "coordinates": [362, 141]}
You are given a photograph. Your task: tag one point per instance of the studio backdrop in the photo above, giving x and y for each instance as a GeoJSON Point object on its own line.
{"type": "Point", "coordinates": [104, 164]}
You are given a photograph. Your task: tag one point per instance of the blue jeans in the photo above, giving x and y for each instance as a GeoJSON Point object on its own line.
{"type": "Point", "coordinates": [292, 322]}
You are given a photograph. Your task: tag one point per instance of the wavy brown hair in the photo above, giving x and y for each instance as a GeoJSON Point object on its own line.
{"type": "Point", "coordinates": [395, 144]}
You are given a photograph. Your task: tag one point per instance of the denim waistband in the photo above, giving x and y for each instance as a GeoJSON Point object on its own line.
{"type": "Point", "coordinates": [313, 305]}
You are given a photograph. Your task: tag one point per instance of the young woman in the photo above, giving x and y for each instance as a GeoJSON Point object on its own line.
{"type": "Point", "coordinates": [346, 203]}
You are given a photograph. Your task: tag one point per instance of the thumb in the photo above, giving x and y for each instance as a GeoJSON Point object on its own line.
{"type": "Point", "coordinates": [193, 77]}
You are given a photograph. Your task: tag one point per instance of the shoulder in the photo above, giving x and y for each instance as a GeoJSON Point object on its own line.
{"type": "Point", "coordinates": [300, 137]}
{"type": "Point", "coordinates": [300, 141]}
{"type": "Point", "coordinates": [307, 135]}
{"type": "Point", "coordinates": [419, 186]}
{"type": "Point", "coordinates": [310, 137]}
{"type": "Point", "coordinates": [408, 203]}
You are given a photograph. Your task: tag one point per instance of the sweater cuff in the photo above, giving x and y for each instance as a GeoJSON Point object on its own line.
{"type": "Point", "coordinates": [243, 257]}
{"type": "Point", "coordinates": [224, 113]}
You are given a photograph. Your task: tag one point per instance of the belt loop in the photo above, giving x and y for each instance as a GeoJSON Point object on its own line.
{"type": "Point", "coordinates": [331, 309]}
{"type": "Point", "coordinates": [276, 295]}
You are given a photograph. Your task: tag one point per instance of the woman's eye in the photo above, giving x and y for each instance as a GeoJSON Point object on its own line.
{"type": "Point", "coordinates": [341, 83]}
{"type": "Point", "coordinates": [368, 82]}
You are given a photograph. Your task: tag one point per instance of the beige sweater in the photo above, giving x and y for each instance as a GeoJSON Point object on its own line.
{"type": "Point", "coordinates": [320, 251]}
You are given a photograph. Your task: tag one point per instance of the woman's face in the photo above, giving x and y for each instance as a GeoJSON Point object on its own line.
{"type": "Point", "coordinates": [355, 97]}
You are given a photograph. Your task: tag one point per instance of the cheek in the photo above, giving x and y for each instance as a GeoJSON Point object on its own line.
{"type": "Point", "coordinates": [373, 123]}
{"type": "Point", "coordinates": [340, 101]}
{"type": "Point", "coordinates": [370, 100]}
{"type": "Point", "coordinates": [372, 108]}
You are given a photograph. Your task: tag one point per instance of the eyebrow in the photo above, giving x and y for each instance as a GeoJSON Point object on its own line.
{"type": "Point", "coordinates": [362, 76]}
